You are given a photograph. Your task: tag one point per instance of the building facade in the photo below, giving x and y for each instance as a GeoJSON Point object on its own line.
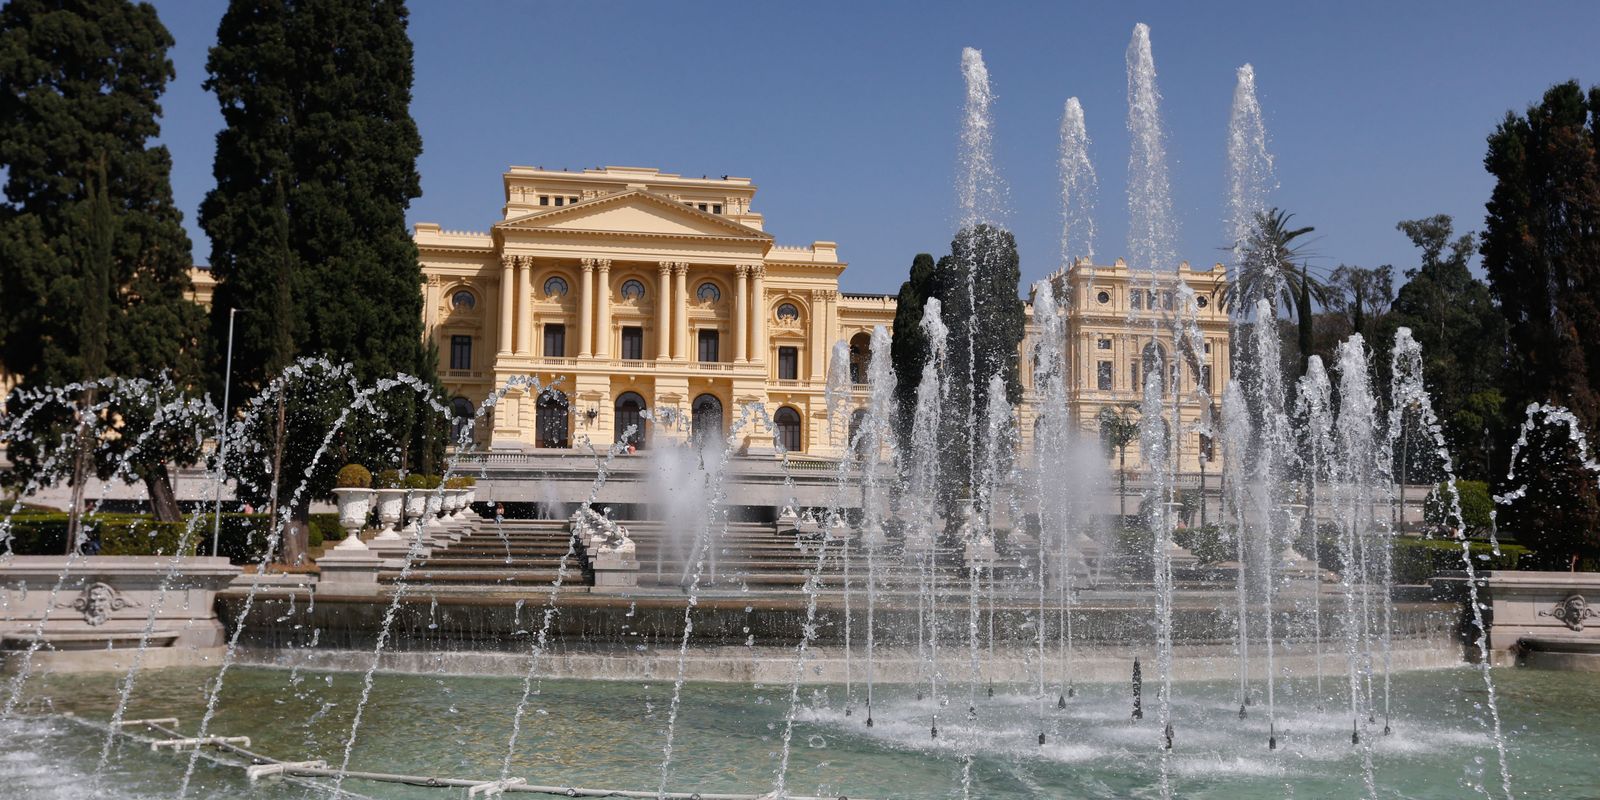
{"type": "Point", "coordinates": [622, 289]}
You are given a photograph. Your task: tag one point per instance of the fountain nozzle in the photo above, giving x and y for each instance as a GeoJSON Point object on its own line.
{"type": "Point", "coordinates": [1061, 702]}
{"type": "Point", "coordinates": [1272, 737]}
{"type": "Point", "coordinates": [1242, 713]}
{"type": "Point", "coordinates": [1041, 737]}
{"type": "Point", "coordinates": [1169, 736]}
{"type": "Point", "coordinates": [1355, 733]}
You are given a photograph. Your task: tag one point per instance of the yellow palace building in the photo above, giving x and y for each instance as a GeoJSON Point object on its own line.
{"type": "Point", "coordinates": [623, 289]}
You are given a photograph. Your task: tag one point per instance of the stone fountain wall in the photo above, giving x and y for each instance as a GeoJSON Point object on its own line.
{"type": "Point", "coordinates": [92, 612]}
{"type": "Point", "coordinates": [1545, 619]}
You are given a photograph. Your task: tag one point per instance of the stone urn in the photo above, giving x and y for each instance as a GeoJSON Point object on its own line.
{"type": "Point", "coordinates": [416, 503]}
{"type": "Point", "coordinates": [391, 502]}
{"type": "Point", "coordinates": [458, 502]}
{"type": "Point", "coordinates": [432, 526]}
{"type": "Point", "coordinates": [354, 505]}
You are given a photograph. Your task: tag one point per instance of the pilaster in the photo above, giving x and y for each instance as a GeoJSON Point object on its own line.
{"type": "Point", "coordinates": [586, 309]}
{"type": "Point", "coordinates": [602, 331]}
{"type": "Point", "coordinates": [664, 311]}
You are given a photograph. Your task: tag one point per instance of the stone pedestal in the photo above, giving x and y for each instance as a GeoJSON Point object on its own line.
{"type": "Point", "coordinates": [615, 568]}
{"type": "Point", "coordinates": [1545, 619]}
{"type": "Point", "coordinates": [349, 570]}
{"type": "Point", "coordinates": [105, 605]}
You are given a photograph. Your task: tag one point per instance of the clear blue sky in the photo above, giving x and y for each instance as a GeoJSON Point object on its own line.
{"type": "Point", "coordinates": [845, 114]}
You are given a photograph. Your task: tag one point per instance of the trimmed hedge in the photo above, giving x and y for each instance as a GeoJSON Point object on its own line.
{"type": "Point", "coordinates": [242, 538]}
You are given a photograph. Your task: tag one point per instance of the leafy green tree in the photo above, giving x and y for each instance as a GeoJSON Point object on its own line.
{"type": "Point", "coordinates": [93, 257]}
{"type": "Point", "coordinates": [1453, 316]}
{"type": "Point", "coordinates": [315, 168]}
{"type": "Point", "coordinates": [1541, 251]}
{"type": "Point", "coordinates": [1119, 429]}
{"type": "Point", "coordinates": [908, 349]}
{"type": "Point", "coordinates": [1361, 294]}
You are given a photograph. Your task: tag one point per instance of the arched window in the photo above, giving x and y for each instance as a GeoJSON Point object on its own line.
{"type": "Point", "coordinates": [552, 420]}
{"type": "Point", "coordinates": [860, 353]}
{"type": "Point", "coordinates": [555, 286]}
{"type": "Point", "coordinates": [787, 425]}
{"type": "Point", "coordinates": [707, 420]}
{"type": "Point", "coordinates": [708, 293]}
{"type": "Point", "coordinates": [1153, 361]}
{"type": "Point", "coordinates": [632, 290]}
{"type": "Point", "coordinates": [463, 300]}
{"type": "Point", "coordinates": [461, 411]}
{"type": "Point", "coordinates": [788, 312]}
{"type": "Point", "coordinates": [629, 413]}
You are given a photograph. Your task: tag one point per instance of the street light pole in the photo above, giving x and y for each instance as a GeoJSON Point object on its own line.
{"type": "Point", "coordinates": [222, 439]}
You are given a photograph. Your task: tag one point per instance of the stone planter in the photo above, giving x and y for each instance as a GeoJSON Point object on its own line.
{"type": "Point", "coordinates": [389, 543]}
{"type": "Point", "coordinates": [104, 607]}
{"type": "Point", "coordinates": [354, 505]}
{"type": "Point", "coordinates": [416, 503]}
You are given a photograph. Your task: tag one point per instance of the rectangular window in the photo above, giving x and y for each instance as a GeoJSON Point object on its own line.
{"type": "Point", "coordinates": [716, 208]}
{"type": "Point", "coordinates": [1133, 377]}
{"type": "Point", "coordinates": [1208, 451]}
{"type": "Point", "coordinates": [1103, 376]}
{"type": "Point", "coordinates": [544, 199]}
{"type": "Point", "coordinates": [461, 352]}
{"type": "Point", "coordinates": [555, 341]}
{"type": "Point", "coordinates": [702, 207]}
{"type": "Point", "coordinates": [633, 343]}
{"type": "Point", "coordinates": [708, 346]}
{"type": "Point", "coordinates": [1103, 344]}
{"type": "Point", "coordinates": [1136, 299]}
{"type": "Point", "coordinates": [1205, 378]}
{"type": "Point", "coordinates": [572, 200]}
{"type": "Point", "coordinates": [561, 201]}
{"type": "Point", "coordinates": [788, 363]}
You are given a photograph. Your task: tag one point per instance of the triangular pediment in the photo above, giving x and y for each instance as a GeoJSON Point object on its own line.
{"type": "Point", "coordinates": [636, 212]}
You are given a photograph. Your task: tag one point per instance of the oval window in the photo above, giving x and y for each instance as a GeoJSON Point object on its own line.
{"type": "Point", "coordinates": [788, 311]}
{"type": "Point", "coordinates": [1103, 297]}
{"type": "Point", "coordinates": [632, 290]}
{"type": "Point", "coordinates": [1201, 301]}
{"type": "Point", "coordinates": [463, 300]}
{"type": "Point", "coordinates": [555, 287]}
{"type": "Point", "coordinates": [708, 293]}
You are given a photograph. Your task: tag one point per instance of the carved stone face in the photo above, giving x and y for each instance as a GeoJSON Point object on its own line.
{"type": "Point", "coordinates": [97, 602]}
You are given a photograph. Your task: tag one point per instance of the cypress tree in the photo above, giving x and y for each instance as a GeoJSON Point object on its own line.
{"type": "Point", "coordinates": [908, 349]}
{"type": "Point", "coordinates": [1541, 250]}
{"type": "Point", "coordinates": [93, 257]}
{"type": "Point", "coordinates": [315, 169]}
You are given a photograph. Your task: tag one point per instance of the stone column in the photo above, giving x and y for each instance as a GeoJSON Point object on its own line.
{"type": "Point", "coordinates": [741, 314]}
{"type": "Point", "coordinates": [602, 328]}
{"type": "Point", "coordinates": [508, 294]}
{"type": "Point", "coordinates": [680, 311]}
{"type": "Point", "coordinates": [586, 309]}
{"type": "Point", "coordinates": [817, 339]}
{"type": "Point", "coordinates": [664, 311]}
{"type": "Point", "coordinates": [758, 314]}
{"type": "Point", "coordinates": [525, 306]}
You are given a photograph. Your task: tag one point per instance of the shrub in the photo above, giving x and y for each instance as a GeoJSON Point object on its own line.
{"type": "Point", "coordinates": [1210, 544]}
{"type": "Point", "coordinates": [1476, 506]}
{"type": "Point", "coordinates": [417, 481]}
{"type": "Point", "coordinates": [388, 479]}
{"type": "Point", "coordinates": [324, 528]}
{"type": "Point", "coordinates": [353, 476]}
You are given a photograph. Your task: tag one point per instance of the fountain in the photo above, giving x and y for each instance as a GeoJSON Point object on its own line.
{"type": "Point", "coordinates": [716, 636]}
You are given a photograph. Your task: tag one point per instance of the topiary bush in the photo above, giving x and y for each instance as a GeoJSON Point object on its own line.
{"type": "Point", "coordinates": [324, 528]}
{"type": "Point", "coordinates": [416, 481]}
{"type": "Point", "coordinates": [388, 479]}
{"type": "Point", "coordinates": [353, 476]}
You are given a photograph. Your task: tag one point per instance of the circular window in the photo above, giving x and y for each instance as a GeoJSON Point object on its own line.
{"type": "Point", "coordinates": [632, 290]}
{"type": "Point", "coordinates": [708, 293]}
{"type": "Point", "coordinates": [463, 300]}
{"type": "Point", "coordinates": [1201, 302]}
{"type": "Point", "coordinates": [788, 311]}
{"type": "Point", "coordinates": [555, 287]}
{"type": "Point", "coordinates": [1103, 297]}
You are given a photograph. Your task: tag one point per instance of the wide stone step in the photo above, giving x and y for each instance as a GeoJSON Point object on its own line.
{"type": "Point", "coordinates": [481, 576]}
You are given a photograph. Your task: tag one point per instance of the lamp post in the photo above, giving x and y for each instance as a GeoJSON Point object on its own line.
{"type": "Point", "coordinates": [222, 439]}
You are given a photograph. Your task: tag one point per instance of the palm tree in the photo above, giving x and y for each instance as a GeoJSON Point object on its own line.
{"type": "Point", "coordinates": [1118, 429]}
{"type": "Point", "coordinates": [1273, 267]}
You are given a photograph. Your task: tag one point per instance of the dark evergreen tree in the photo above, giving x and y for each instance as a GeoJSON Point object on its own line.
{"type": "Point", "coordinates": [1541, 251]}
{"type": "Point", "coordinates": [93, 257]}
{"type": "Point", "coordinates": [908, 349]}
{"type": "Point", "coordinates": [1453, 316]}
{"type": "Point", "coordinates": [315, 168]}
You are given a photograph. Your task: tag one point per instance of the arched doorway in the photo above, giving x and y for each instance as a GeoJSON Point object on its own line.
{"type": "Point", "coordinates": [707, 420]}
{"type": "Point", "coordinates": [786, 424]}
{"type": "Point", "coordinates": [629, 413]}
{"type": "Point", "coordinates": [552, 422]}
{"type": "Point", "coordinates": [860, 354]}
{"type": "Point", "coordinates": [461, 411]}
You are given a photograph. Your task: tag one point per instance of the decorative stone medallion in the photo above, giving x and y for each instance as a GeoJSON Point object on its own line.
{"type": "Point", "coordinates": [97, 602]}
{"type": "Point", "coordinates": [1571, 612]}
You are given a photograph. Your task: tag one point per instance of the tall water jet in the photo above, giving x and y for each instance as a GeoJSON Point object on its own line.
{"type": "Point", "coordinates": [1250, 173]}
{"type": "Point", "coordinates": [1236, 433]}
{"type": "Point", "coordinates": [1271, 448]}
{"type": "Point", "coordinates": [1353, 470]}
{"type": "Point", "coordinates": [1079, 186]}
{"type": "Point", "coordinates": [1155, 442]}
{"type": "Point", "coordinates": [922, 487]}
{"type": "Point", "coordinates": [875, 444]}
{"type": "Point", "coordinates": [1151, 227]}
{"type": "Point", "coordinates": [980, 194]}
{"type": "Point", "coordinates": [1314, 409]}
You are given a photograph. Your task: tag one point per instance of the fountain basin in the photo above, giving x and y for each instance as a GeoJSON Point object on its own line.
{"type": "Point", "coordinates": [91, 613]}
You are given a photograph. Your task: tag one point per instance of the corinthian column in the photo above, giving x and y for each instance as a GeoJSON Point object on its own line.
{"type": "Point", "coordinates": [741, 314]}
{"type": "Point", "coordinates": [663, 310]}
{"type": "Point", "coordinates": [602, 332]}
{"type": "Point", "coordinates": [758, 314]}
{"type": "Point", "coordinates": [680, 310]}
{"type": "Point", "coordinates": [508, 293]}
{"type": "Point", "coordinates": [586, 309]}
{"type": "Point", "coordinates": [525, 305]}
